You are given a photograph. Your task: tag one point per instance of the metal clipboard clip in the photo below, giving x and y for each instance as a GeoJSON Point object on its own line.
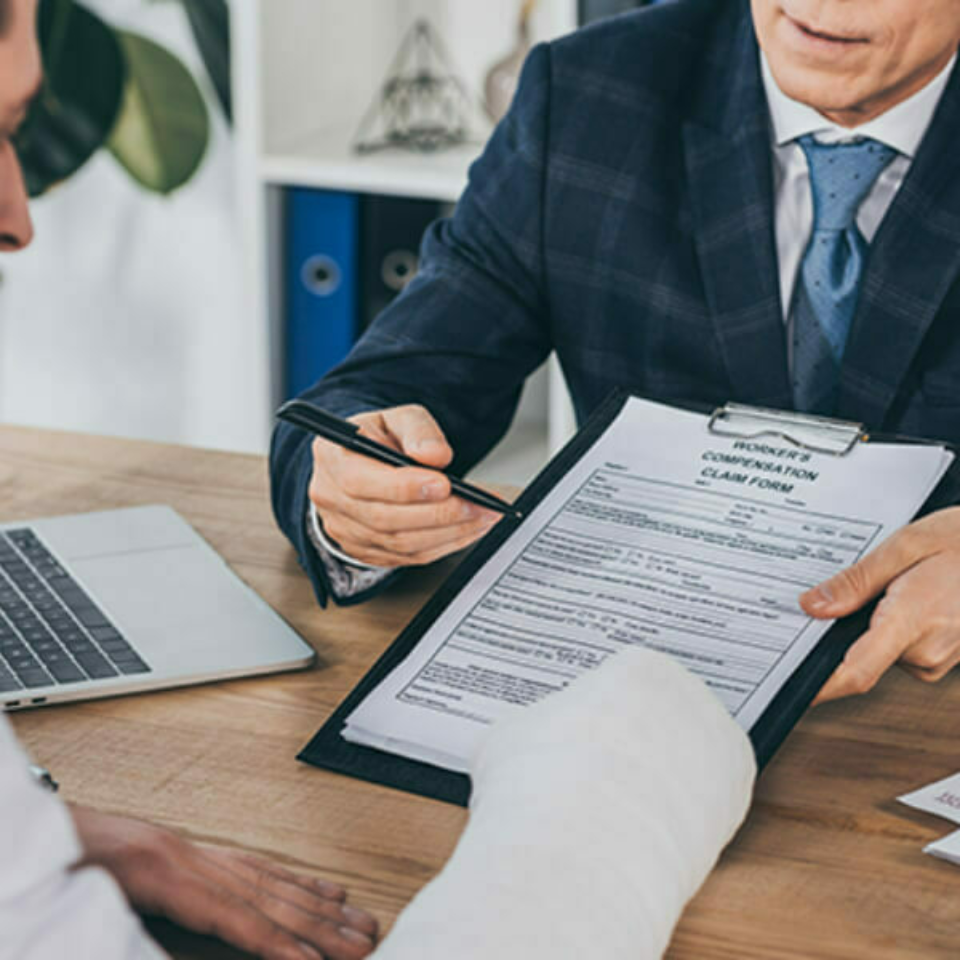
{"type": "Point", "coordinates": [836, 438]}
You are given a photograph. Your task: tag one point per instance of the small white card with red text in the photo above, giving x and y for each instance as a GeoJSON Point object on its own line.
{"type": "Point", "coordinates": [942, 798]}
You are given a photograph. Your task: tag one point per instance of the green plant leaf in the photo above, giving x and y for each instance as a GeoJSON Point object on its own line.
{"type": "Point", "coordinates": [163, 129]}
{"type": "Point", "coordinates": [80, 99]}
{"type": "Point", "coordinates": [210, 22]}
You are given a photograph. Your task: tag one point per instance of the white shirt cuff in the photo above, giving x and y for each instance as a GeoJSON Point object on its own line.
{"type": "Point", "coordinates": [322, 541]}
{"type": "Point", "coordinates": [347, 577]}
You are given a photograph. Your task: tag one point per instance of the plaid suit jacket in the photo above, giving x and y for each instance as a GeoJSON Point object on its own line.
{"type": "Point", "coordinates": [622, 215]}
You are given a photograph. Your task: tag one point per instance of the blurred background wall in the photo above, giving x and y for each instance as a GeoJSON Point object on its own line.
{"type": "Point", "coordinates": [168, 317]}
{"type": "Point", "coordinates": [127, 314]}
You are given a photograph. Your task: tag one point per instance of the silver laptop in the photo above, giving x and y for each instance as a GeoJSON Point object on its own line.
{"type": "Point", "coordinates": [100, 604]}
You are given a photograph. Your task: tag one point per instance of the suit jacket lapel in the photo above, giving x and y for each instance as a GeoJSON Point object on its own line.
{"type": "Point", "coordinates": [727, 150]}
{"type": "Point", "coordinates": [914, 259]}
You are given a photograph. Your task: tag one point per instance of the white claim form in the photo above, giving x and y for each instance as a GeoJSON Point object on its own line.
{"type": "Point", "coordinates": [662, 534]}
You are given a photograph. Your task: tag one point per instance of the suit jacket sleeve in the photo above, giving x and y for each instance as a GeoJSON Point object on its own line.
{"type": "Point", "coordinates": [466, 332]}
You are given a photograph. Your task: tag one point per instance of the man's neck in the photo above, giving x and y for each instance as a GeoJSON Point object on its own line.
{"type": "Point", "coordinates": [902, 126]}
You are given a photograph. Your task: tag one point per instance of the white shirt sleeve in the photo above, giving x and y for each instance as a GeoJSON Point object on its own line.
{"type": "Point", "coordinates": [48, 911]}
{"type": "Point", "coordinates": [347, 575]}
{"type": "Point", "coordinates": [596, 815]}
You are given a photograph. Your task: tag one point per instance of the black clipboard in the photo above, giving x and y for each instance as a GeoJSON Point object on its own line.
{"type": "Point", "coordinates": [330, 751]}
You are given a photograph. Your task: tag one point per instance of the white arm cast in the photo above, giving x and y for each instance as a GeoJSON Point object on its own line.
{"type": "Point", "coordinates": [595, 817]}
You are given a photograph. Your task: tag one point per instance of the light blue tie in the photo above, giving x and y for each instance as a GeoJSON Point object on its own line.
{"type": "Point", "coordinates": [841, 176]}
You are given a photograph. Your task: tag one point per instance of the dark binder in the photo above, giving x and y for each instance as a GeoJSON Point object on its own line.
{"type": "Point", "coordinates": [591, 10]}
{"type": "Point", "coordinates": [391, 229]}
{"type": "Point", "coordinates": [330, 751]}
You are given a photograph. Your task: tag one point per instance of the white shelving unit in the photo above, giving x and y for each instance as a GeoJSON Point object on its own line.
{"type": "Point", "coordinates": [305, 73]}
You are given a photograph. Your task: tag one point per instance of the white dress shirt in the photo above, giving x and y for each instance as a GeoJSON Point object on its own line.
{"type": "Point", "coordinates": [48, 911]}
{"type": "Point", "coordinates": [902, 127]}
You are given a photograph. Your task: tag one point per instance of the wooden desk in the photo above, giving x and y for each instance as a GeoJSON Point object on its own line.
{"type": "Point", "coordinates": [826, 866]}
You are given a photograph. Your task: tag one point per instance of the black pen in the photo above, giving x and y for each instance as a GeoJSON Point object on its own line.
{"type": "Point", "coordinates": [346, 434]}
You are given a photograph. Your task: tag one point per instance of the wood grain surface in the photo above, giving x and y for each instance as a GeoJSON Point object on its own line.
{"type": "Point", "coordinates": [827, 865]}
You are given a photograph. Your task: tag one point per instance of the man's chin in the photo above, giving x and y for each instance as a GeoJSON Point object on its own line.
{"type": "Point", "coordinates": [829, 94]}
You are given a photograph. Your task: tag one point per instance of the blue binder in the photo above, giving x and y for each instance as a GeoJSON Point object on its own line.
{"type": "Point", "coordinates": [322, 283]}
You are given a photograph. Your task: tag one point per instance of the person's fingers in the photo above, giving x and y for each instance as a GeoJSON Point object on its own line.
{"type": "Point", "coordinates": [259, 886]}
{"type": "Point", "coordinates": [337, 931]}
{"type": "Point", "coordinates": [933, 657]}
{"type": "Point", "coordinates": [393, 518]}
{"type": "Point", "coordinates": [870, 656]}
{"type": "Point", "coordinates": [868, 578]}
{"type": "Point", "coordinates": [418, 434]}
{"type": "Point", "coordinates": [351, 926]}
{"type": "Point", "coordinates": [235, 898]}
{"type": "Point", "coordinates": [317, 885]}
{"type": "Point", "coordinates": [405, 548]}
{"type": "Point", "coordinates": [380, 558]}
{"type": "Point", "coordinates": [211, 910]}
{"type": "Point", "coordinates": [363, 478]}
{"type": "Point", "coordinates": [447, 549]}
{"type": "Point", "coordinates": [305, 892]}
{"type": "Point", "coordinates": [372, 426]}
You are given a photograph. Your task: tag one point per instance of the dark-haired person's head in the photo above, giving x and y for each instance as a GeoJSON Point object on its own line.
{"type": "Point", "coordinates": [20, 77]}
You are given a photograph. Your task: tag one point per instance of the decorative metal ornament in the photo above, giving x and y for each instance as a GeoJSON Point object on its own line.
{"type": "Point", "coordinates": [422, 105]}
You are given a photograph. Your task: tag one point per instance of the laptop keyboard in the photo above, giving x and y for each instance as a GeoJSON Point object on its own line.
{"type": "Point", "coordinates": [51, 632]}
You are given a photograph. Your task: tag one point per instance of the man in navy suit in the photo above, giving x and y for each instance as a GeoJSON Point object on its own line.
{"type": "Point", "coordinates": [706, 200]}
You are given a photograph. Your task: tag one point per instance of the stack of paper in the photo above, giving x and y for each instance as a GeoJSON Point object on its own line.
{"type": "Point", "coordinates": [942, 799]}
{"type": "Point", "coordinates": [662, 534]}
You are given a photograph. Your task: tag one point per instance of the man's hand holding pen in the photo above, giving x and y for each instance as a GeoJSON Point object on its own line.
{"type": "Point", "coordinates": [394, 516]}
